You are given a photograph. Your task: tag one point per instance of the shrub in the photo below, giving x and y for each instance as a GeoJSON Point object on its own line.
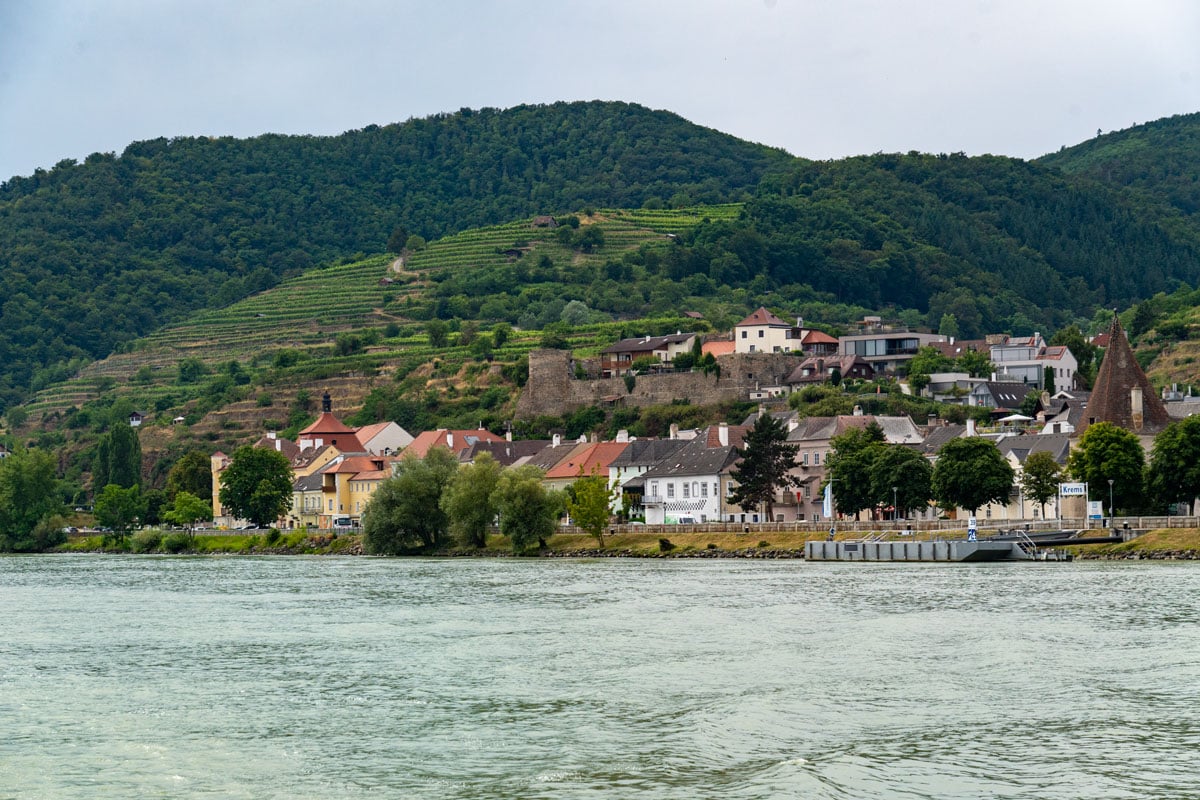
{"type": "Point", "coordinates": [665, 545]}
{"type": "Point", "coordinates": [175, 542]}
{"type": "Point", "coordinates": [273, 537]}
{"type": "Point", "coordinates": [710, 546]}
{"type": "Point", "coordinates": [764, 543]}
{"type": "Point", "coordinates": [146, 541]}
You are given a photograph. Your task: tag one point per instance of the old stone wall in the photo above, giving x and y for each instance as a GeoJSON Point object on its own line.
{"type": "Point", "coordinates": [552, 388]}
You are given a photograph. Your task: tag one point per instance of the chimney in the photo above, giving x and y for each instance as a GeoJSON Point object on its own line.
{"type": "Point", "coordinates": [508, 435]}
{"type": "Point", "coordinates": [622, 435]}
{"type": "Point", "coordinates": [674, 430]}
{"type": "Point", "coordinates": [793, 423]}
{"type": "Point", "coordinates": [931, 420]}
{"type": "Point", "coordinates": [723, 434]}
{"type": "Point", "coordinates": [971, 426]}
{"type": "Point", "coordinates": [450, 439]}
{"type": "Point", "coordinates": [582, 438]}
{"type": "Point", "coordinates": [557, 440]}
{"type": "Point", "coordinates": [271, 435]}
{"type": "Point", "coordinates": [592, 438]}
{"type": "Point", "coordinates": [1137, 413]}
{"type": "Point", "coordinates": [326, 403]}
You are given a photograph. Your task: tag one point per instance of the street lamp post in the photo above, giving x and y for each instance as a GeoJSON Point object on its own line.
{"type": "Point", "coordinates": [1110, 503]}
{"type": "Point", "coordinates": [895, 505]}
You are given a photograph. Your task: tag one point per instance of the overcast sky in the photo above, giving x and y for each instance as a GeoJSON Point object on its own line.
{"type": "Point", "coordinates": [820, 78]}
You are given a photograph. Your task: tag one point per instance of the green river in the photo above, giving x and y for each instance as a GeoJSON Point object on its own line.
{"type": "Point", "coordinates": [296, 677]}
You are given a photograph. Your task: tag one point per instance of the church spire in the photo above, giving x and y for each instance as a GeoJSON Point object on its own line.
{"type": "Point", "coordinates": [1123, 394]}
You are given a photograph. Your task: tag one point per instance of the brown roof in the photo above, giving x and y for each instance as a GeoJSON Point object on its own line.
{"type": "Point", "coordinates": [332, 430]}
{"type": "Point", "coordinates": [817, 337]}
{"type": "Point", "coordinates": [1111, 399]}
{"type": "Point", "coordinates": [286, 446]}
{"type": "Point", "coordinates": [762, 317]}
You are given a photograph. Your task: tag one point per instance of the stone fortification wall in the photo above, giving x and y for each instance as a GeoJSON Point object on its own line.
{"type": "Point", "coordinates": [553, 389]}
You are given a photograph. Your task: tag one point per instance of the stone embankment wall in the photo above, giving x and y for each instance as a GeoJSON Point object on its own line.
{"type": "Point", "coordinates": [553, 388]}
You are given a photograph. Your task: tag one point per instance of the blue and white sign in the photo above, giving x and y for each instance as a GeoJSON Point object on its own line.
{"type": "Point", "coordinates": [1072, 489]}
{"type": "Point", "coordinates": [972, 529]}
{"type": "Point", "coordinates": [1096, 509]}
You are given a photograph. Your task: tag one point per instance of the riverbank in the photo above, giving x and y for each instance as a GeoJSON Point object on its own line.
{"type": "Point", "coordinates": [1165, 544]}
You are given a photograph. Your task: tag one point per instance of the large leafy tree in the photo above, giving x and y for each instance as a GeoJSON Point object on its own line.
{"type": "Point", "coordinates": [119, 508]}
{"type": "Point", "coordinates": [906, 470]}
{"type": "Point", "coordinates": [848, 467]}
{"type": "Point", "coordinates": [192, 473]}
{"type": "Point", "coordinates": [29, 497]}
{"type": "Point", "coordinates": [528, 510]}
{"type": "Point", "coordinates": [975, 363]}
{"type": "Point", "coordinates": [1107, 452]}
{"type": "Point", "coordinates": [187, 510]}
{"type": "Point", "coordinates": [405, 513]}
{"type": "Point", "coordinates": [468, 500]}
{"type": "Point", "coordinates": [1040, 476]}
{"type": "Point", "coordinates": [118, 457]}
{"type": "Point", "coordinates": [257, 485]}
{"type": "Point", "coordinates": [969, 473]}
{"type": "Point", "coordinates": [591, 506]}
{"type": "Point", "coordinates": [1174, 474]}
{"type": "Point", "coordinates": [765, 468]}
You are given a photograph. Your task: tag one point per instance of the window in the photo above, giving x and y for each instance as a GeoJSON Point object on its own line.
{"type": "Point", "coordinates": [743, 334]}
{"type": "Point", "coordinates": [670, 490]}
{"type": "Point", "coordinates": [695, 489]}
{"type": "Point", "coordinates": [331, 505]}
{"type": "Point", "coordinates": [716, 492]}
{"type": "Point", "coordinates": [654, 488]}
{"type": "Point", "coordinates": [760, 334]}
{"type": "Point", "coordinates": [686, 487]}
{"type": "Point", "coordinates": [816, 458]}
{"type": "Point", "coordinates": [804, 458]}
{"type": "Point", "coordinates": [704, 490]}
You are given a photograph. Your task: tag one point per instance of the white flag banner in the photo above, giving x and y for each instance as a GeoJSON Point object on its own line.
{"type": "Point", "coordinates": [827, 505]}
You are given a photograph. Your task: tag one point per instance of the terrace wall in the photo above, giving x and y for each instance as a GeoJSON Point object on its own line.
{"type": "Point", "coordinates": [553, 388]}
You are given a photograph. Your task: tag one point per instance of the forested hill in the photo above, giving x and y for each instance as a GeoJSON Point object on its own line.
{"type": "Point", "coordinates": [1160, 159]}
{"type": "Point", "coordinates": [98, 253]}
{"type": "Point", "coordinates": [1000, 243]}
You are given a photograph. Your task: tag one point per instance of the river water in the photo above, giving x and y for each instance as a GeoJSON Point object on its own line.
{"type": "Point", "coordinates": [292, 677]}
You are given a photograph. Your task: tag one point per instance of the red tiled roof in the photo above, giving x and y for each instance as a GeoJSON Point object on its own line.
{"type": "Point", "coordinates": [718, 348]}
{"type": "Point", "coordinates": [762, 317]}
{"type": "Point", "coordinates": [595, 458]}
{"type": "Point", "coordinates": [462, 439]}
{"type": "Point", "coordinates": [818, 337]}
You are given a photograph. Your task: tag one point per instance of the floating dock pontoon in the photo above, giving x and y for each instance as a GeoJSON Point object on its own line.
{"type": "Point", "coordinates": [951, 550]}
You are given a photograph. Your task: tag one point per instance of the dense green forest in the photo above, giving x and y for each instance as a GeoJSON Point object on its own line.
{"type": "Point", "coordinates": [93, 255]}
{"type": "Point", "coordinates": [1160, 159]}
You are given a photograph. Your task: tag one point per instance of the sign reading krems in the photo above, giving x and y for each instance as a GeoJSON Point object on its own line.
{"type": "Point", "coordinates": [1072, 489]}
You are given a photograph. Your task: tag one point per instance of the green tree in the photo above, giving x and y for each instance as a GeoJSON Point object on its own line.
{"type": "Point", "coordinates": [501, 333]}
{"type": "Point", "coordinates": [1040, 476]}
{"type": "Point", "coordinates": [468, 502]}
{"type": "Point", "coordinates": [975, 363]}
{"type": "Point", "coordinates": [438, 332]}
{"type": "Point", "coordinates": [405, 513]}
{"type": "Point", "coordinates": [969, 473]}
{"type": "Point", "coordinates": [191, 473]}
{"type": "Point", "coordinates": [1174, 473]}
{"type": "Point", "coordinates": [187, 510]}
{"type": "Point", "coordinates": [529, 511]}
{"type": "Point", "coordinates": [918, 381]}
{"type": "Point", "coordinates": [1030, 402]}
{"type": "Point", "coordinates": [191, 370]}
{"type": "Point", "coordinates": [905, 470]}
{"type": "Point", "coordinates": [851, 457]}
{"type": "Point", "coordinates": [1084, 351]}
{"type": "Point", "coordinates": [118, 457]}
{"type": "Point", "coordinates": [948, 326]}
{"type": "Point", "coordinates": [29, 495]}
{"type": "Point", "coordinates": [928, 360]}
{"type": "Point", "coordinates": [1048, 380]}
{"type": "Point", "coordinates": [591, 505]}
{"type": "Point", "coordinates": [398, 239]}
{"type": "Point", "coordinates": [119, 508]}
{"type": "Point", "coordinates": [257, 485]}
{"type": "Point", "coordinates": [1107, 452]}
{"type": "Point", "coordinates": [767, 460]}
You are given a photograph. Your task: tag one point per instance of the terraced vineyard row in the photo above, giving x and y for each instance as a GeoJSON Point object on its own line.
{"type": "Point", "coordinates": [307, 312]}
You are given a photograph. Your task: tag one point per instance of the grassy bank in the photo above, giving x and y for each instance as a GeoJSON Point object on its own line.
{"type": "Point", "coordinates": [1177, 543]}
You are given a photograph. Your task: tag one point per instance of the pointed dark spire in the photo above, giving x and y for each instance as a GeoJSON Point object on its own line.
{"type": "Point", "coordinates": [327, 404]}
{"type": "Point", "coordinates": [1123, 394]}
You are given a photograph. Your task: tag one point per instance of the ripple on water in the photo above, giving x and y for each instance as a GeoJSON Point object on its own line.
{"type": "Point", "coordinates": [340, 678]}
